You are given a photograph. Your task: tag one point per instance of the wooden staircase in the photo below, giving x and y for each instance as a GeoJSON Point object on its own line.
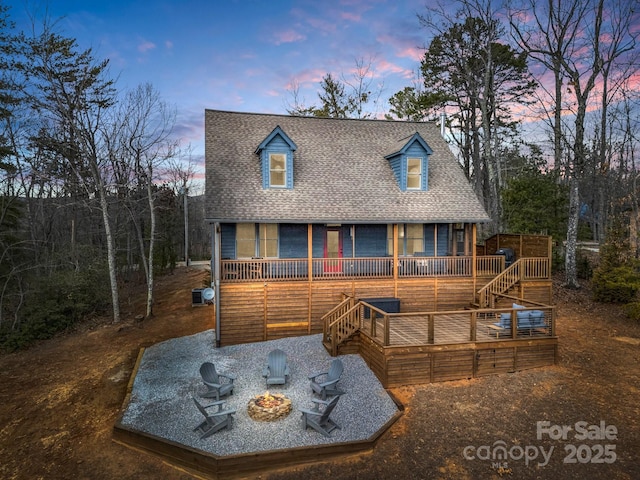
{"type": "Point", "coordinates": [501, 284]}
{"type": "Point", "coordinates": [341, 323]}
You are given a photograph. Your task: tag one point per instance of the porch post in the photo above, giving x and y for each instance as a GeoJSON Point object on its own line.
{"type": "Point", "coordinates": [395, 259]}
{"type": "Point", "coordinates": [310, 252]}
{"type": "Point", "coordinates": [473, 260]}
{"type": "Point", "coordinates": [215, 273]}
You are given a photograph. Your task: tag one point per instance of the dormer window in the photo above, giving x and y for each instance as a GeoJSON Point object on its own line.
{"type": "Point", "coordinates": [276, 156]}
{"type": "Point", "coordinates": [277, 169]}
{"type": "Point", "coordinates": [414, 173]}
{"type": "Point", "coordinates": [409, 161]}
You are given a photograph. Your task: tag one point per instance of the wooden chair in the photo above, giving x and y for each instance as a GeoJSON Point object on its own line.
{"type": "Point", "coordinates": [218, 384]}
{"type": "Point", "coordinates": [276, 372]}
{"type": "Point", "coordinates": [213, 422]}
{"type": "Point", "coordinates": [318, 417]}
{"type": "Point", "coordinates": [328, 385]}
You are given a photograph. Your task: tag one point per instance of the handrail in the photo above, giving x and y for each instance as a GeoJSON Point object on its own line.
{"type": "Point", "coordinates": [335, 313]}
{"type": "Point", "coordinates": [523, 269]}
{"type": "Point", "coordinates": [343, 327]}
{"type": "Point", "coordinates": [499, 285]}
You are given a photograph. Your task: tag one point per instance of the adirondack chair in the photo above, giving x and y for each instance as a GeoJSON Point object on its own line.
{"type": "Point", "coordinates": [218, 384]}
{"type": "Point", "coordinates": [276, 371]}
{"type": "Point", "coordinates": [325, 383]}
{"type": "Point", "coordinates": [318, 417]}
{"type": "Point", "coordinates": [213, 422]}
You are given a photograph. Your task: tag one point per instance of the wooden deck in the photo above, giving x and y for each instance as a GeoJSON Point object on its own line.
{"type": "Point", "coordinates": [411, 349]}
{"type": "Point", "coordinates": [414, 364]}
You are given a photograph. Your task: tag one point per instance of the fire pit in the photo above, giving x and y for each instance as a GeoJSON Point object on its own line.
{"type": "Point", "coordinates": [269, 407]}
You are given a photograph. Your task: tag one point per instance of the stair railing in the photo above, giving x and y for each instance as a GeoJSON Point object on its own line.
{"type": "Point", "coordinates": [500, 284]}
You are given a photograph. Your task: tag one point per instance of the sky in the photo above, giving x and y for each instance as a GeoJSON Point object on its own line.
{"type": "Point", "coordinates": [239, 55]}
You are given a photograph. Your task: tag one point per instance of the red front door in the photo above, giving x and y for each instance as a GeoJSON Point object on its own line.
{"type": "Point", "coordinates": [333, 250]}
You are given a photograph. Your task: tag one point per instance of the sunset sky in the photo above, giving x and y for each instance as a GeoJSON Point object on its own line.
{"type": "Point", "coordinates": [240, 55]}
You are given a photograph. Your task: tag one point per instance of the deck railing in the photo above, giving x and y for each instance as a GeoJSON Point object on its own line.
{"type": "Point", "coordinates": [456, 326]}
{"type": "Point", "coordinates": [441, 327]}
{"type": "Point", "coordinates": [290, 269]}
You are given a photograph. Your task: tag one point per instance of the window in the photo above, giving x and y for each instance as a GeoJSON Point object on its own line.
{"type": "Point", "coordinates": [414, 238]}
{"type": "Point", "coordinates": [277, 170]}
{"type": "Point", "coordinates": [256, 242]}
{"type": "Point", "coordinates": [414, 173]}
{"type": "Point", "coordinates": [245, 240]}
{"type": "Point", "coordinates": [410, 238]}
{"type": "Point", "coordinates": [276, 153]}
{"type": "Point", "coordinates": [390, 239]}
{"type": "Point", "coordinates": [268, 240]}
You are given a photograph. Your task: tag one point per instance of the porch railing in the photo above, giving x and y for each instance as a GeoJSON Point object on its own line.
{"type": "Point", "coordinates": [288, 269]}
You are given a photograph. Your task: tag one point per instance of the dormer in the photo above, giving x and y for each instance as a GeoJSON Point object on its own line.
{"type": "Point", "coordinates": [276, 157]}
{"type": "Point", "coordinates": [410, 163]}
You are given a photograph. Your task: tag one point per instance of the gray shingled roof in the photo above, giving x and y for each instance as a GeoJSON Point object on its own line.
{"type": "Point", "coordinates": [340, 173]}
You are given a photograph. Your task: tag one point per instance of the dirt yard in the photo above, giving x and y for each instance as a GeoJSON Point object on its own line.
{"type": "Point", "coordinates": [60, 399]}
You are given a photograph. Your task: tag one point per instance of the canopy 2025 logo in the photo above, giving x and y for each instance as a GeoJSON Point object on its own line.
{"type": "Point", "coordinates": [500, 454]}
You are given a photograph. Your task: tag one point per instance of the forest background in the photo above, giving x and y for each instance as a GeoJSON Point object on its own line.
{"type": "Point", "coordinates": [539, 102]}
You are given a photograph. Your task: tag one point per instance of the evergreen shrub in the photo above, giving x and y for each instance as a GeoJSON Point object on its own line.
{"type": "Point", "coordinates": [616, 285]}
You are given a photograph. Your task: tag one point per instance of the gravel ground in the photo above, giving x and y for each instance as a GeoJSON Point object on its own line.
{"type": "Point", "coordinates": [168, 375]}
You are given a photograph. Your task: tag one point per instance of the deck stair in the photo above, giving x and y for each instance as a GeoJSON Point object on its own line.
{"type": "Point", "coordinates": [501, 284]}
{"type": "Point", "coordinates": [341, 323]}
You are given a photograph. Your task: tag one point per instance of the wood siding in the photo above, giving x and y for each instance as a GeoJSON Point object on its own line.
{"type": "Point", "coordinates": [411, 365]}
{"type": "Point", "coordinates": [258, 311]}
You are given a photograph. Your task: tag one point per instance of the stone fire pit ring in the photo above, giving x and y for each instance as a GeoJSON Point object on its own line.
{"type": "Point", "coordinates": [269, 407]}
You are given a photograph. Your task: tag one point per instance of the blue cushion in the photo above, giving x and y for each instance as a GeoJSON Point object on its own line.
{"type": "Point", "coordinates": [527, 319]}
{"type": "Point", "coordinates": [536, 318]}
{"type": "Point", "coordinates": [505, 320]}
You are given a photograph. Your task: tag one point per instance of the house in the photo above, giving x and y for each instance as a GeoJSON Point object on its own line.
{"type": "Point", "coordinates": [307, 212]}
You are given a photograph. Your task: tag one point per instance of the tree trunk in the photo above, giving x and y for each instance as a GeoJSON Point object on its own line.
{"type": "Point", "coordinates": [571, 270]}
{"type": "Point", "coordinates": [111, 254]}
{"type": "Point", "coordinates": [152, 234]}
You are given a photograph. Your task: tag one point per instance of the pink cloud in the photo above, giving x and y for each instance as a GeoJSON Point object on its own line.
{"type": "Point", "coordinates": [308, 77]}
{"type": "Point", "coordinates": [353, 17]}
{"type": "Point", "coordinates": [254, 72]}
{"type": "Point", "coordinates": [385, 66]}
{"type": "Point", "coordinates": [413, 53]}
{"type": "Point", "coordinates": [145, 46]}
{"type": "Point", "coordinates": [316, 22]}
{"type": "Point", "coordinates": [402, 47]}
{"type": "Point", "coordinates": [288, 36]}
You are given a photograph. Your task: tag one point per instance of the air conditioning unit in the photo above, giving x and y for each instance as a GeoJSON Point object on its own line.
{"type": "Point", "coordinates": [202, 296]}
{"type": "Point", "coordinates": [196, 297]}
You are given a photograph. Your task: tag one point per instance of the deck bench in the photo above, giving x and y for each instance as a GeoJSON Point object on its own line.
{"type": "Point", "coordinates": [528, 320]}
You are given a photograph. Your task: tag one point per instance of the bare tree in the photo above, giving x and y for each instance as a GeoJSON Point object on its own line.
{"type": "Point", "coordinates": [569, 39]}
{"type": "Point", "coordinates": [179, 176]}
{"type": "Point", "coordinates": [71, 93]}
{"type": "Point", "coordinates": [147, 123]}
